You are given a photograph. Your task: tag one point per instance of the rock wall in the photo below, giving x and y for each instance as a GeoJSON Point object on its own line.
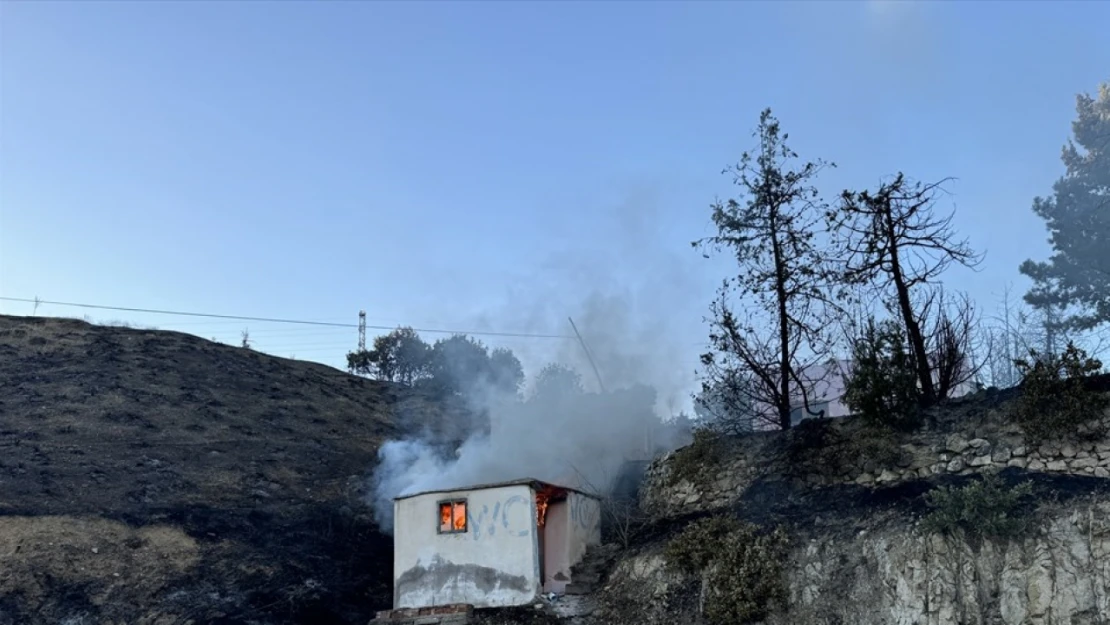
{"type": "Point", "coordinates": [974, 437]}
{"type": "Point", "coordinates": [897, 575]}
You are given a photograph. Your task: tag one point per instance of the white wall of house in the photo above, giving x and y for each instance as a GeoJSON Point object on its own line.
{"type": "Point", "coordinates": [585, 525]}
{"type": "Point", "coordinates": [571, 527]}
{"type": "Point", "coordinates": [494, 563]}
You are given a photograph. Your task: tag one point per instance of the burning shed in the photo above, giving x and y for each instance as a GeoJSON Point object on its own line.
{"type": "Point", "coordinates": [491, 545]}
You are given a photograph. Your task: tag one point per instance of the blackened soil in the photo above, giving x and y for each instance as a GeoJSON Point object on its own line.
{"type": "Point", "coordinates": [525, 615]}
{"type": "Point", "coordinates": [849, 509]}
{"type": "Point", "coordinates": [150, 476]}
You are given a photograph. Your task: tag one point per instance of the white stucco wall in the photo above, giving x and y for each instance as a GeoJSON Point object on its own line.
{"type": "Point", "coordinates": [494, 563]}
{"type": "Point", "coordinates": [585, 525]}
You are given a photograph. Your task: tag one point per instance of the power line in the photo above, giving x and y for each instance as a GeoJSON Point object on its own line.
{"type": "Point", "coordinates": [297, 349]}
{"type": "Point", "coordinates": [273, 320]}
{"type": "Point", "coordinates": [314, 441]}
{"type": "Point", "coordinates": [296, 333]}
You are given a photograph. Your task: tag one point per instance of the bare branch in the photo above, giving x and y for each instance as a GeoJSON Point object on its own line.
{"type": "Point", "coordinates": [892, 240]}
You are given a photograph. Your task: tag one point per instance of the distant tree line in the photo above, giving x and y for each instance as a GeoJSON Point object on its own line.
{"type": "Point", "coordinates": [463, 366]}
{"type": "Point", "coordinates": [456, 364]}
{"type": "Point", "coordinates": [862, 275]}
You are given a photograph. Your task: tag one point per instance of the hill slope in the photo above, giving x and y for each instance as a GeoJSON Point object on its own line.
{"type": "Point", "coordinates": [155, 477]}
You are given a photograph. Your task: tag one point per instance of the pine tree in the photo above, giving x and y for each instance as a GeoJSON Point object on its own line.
{"type": "Point", "coordinates": [1077, 214]}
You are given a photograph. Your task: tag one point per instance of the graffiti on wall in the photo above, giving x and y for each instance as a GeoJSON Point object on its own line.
{"type": "Point", "coordinates": [485, 523]}
{"type": "Point", "coordinates": [585, 513]}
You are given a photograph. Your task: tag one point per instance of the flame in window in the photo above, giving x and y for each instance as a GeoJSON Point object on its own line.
{"type": "Point", "coordinates": [460, 516]}
{"type": "Point", "coordinates": [452, 516]}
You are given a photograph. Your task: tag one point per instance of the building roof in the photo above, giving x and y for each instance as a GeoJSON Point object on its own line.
{"type": "Point", "coordinates": [524, 481]}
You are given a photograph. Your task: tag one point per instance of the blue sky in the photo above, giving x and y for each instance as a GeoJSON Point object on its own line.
{"type": "Point", "coordinates": [493, 166]}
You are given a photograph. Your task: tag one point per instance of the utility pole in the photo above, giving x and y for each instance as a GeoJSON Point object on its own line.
{"type": "Point", "coordinates": [361, 331]}
{"type": "Point", "coordinates": [589, 356]}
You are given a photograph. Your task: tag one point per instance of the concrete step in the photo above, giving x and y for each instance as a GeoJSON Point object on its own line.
{"type": "Point", "coordinates": [592, 570]}
{"type": "Point", "coordinates": [585, 577]}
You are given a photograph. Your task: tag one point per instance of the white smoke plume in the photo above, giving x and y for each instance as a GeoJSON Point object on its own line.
{"type": "Point", "coordinates": [580, 440]}
{"type": "Point", "coordinates": [640, 311]}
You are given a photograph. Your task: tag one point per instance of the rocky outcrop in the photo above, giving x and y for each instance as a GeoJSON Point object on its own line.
{"type": "Point", "coordinates": [898, 575]}
{"type": "Point", "coordinates": [852, 500]}
{"type": "Point", "coordinates": [975, 437]}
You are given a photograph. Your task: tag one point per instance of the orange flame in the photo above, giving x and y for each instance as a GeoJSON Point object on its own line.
{"type": "Point", "coordinates": [541, 508]}
{"type": "Point", "coordinates": [452, 516]}
{"type": "Point", "coordinates": [444, 517]}
{"type": "Point", "coordinates": [460, 516]}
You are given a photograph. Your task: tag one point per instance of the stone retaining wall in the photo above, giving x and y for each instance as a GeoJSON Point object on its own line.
{"type": "Point", "coordinates": [974, 440]}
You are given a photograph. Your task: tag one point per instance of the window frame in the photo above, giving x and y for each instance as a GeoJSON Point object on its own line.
{"type": "Point", "coordinates": [453, 502]}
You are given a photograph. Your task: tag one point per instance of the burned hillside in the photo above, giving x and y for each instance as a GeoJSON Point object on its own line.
{"type": "Point", "coordinates": [155, 477]}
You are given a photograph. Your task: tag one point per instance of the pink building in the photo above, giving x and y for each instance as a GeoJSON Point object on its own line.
{"type": "Point", "coordinates": [827, 394]}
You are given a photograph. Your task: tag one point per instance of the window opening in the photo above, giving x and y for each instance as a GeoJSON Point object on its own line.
{"type": "Point", "coordinates": [452, 516]}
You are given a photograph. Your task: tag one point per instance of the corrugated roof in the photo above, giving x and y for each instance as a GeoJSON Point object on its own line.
{"type": "Point", "coordinates": [524, 481]}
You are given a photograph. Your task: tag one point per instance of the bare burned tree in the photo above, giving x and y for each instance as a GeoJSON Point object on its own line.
{"type": "Point", "coordinates": [724, 405]}
{"type": "Point", "coordinates": [1009, 334]}
{"type": "Point", "coordinates": [783, 282]}
{"type": "Point", "coordinates": [950, 341]}
{"type": "Point", "coordinates": [891, 240]}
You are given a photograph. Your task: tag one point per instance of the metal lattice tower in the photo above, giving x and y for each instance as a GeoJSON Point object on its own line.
{"type": "Point", "coordinates": [361, 330]}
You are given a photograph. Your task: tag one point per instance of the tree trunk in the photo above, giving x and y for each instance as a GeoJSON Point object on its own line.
{"type": "Point", "coordinates": [784, 331]}
{"type": "Point", "coordinates": [913, 328]}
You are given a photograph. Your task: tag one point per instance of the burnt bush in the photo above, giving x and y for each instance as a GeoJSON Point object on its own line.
{"type": "Point", "coordinates": [820, 446]}
{"type": "Point", "coordinates": [693, 461]}
{"type": "Point", "coordinates": [697, 545]}
{"type": "Point", "coordinates": [811, 435]}
{"type": "Point", "coordinates": [1056, 401]}
{"type": "Point", "coordinates": [742, 566]}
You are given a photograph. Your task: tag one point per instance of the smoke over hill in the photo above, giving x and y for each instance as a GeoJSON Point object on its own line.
{"type": "Point", "coordinates": [625, 299]}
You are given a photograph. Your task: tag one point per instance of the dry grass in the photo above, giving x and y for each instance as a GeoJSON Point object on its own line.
{"type": "Point", "coordinates": [115, 562]}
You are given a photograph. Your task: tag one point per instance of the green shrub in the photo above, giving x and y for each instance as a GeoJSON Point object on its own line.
{"type": "Point", "coordinates": [696, 460]}
{"type": "Point", "coordinates": [983, 508]}
{"type": "Point", "coordinates": [1055, 400]}
{"type": "Point", "coordinates": [697, 545]}
{"type": "Point", "coordinates": [743, 567]}
{"type": "Point", "coordinates": [882, 387]}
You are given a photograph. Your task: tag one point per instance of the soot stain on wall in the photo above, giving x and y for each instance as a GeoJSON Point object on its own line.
{"type": "Point", "coordinates": [442, 574]}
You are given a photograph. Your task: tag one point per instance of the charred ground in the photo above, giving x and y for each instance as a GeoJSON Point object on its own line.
{"type": "Point", "coordinates": [155, 477]}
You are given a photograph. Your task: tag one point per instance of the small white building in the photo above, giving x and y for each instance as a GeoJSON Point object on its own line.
{"type": "Point", "coordinates": [492, 545]}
